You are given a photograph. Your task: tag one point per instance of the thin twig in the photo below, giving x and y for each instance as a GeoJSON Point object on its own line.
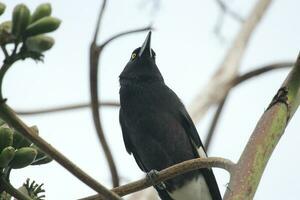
{"type": "Point", "coordinates": [70, 107]}
{"type": "Point", "coordinates": [95, 53]}
{"type": "Point", "coordinates": [261, 70]}
{"type": "Point", "coordinates": [9, 116]}
{"type": "Point", "coordinates": [220, 83]}
{"type": "Point", "coordinates": [171, 172]}
{"type": "Point", "coordinates": [214, 123]}
{"type": "Point", "coordinates": [94, 68]}
{"type": "Point", "coordinates": [99, 20]}
{"type": "Point", "coordinates": [225, 10]}
{"type": "Point", "coordinates": [238, 80]}
{"type": "Point", "coordinates": [147, 28]}
{"type": "Point", "coordinates": [13, 191]}
{"type": "Point", "coordinates": [4, 51]}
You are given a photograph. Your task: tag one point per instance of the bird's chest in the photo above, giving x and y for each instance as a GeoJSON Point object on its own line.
{"type": "Point", "coordinates": [139, 102]}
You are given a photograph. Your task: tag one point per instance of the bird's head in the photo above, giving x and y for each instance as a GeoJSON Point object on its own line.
{"type": "Point", "coordinates": [142, 66]}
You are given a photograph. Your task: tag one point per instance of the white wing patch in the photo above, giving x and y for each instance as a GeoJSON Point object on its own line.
{"type": "Point", "coordinates": [196, 189]}
{"type": "Point", "coordinates": [201, 152]}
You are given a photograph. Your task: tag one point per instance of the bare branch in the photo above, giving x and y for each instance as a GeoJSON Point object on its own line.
{"type": "Point", "coordinates": [95, 52]}
{"type": "Point", "coordinates": [147, 28]}
{"type": "Point", "coordinates": [98, 24]}
{"type": "Point", "coordinates": [171, 172]}
{"type": "Point", "coordinates": [261, 70]}
{"type": "Point", "coordinates": [225, 10]}
{"type": "Point", "coordinates": [9, 116]}
{"type": "Point", "coordinates": [271, 126]}
{"type": "Point", "coordinates": [238, 80]}
{"type": "Point", "coordinates": [65, 108]}
{"type": "Point", "coordinates": [220, 83]}
{"type": "Point", "coordinates": [214, 123]}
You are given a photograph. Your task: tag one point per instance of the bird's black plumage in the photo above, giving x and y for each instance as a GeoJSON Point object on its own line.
{"type": "Point", "coordinates": [156, 127]}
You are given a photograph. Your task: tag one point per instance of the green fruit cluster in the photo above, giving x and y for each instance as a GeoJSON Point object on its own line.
{"type": "Point", "coordinates": [28, 28]}
{"type": "Point", "coordinates": [17, 152]}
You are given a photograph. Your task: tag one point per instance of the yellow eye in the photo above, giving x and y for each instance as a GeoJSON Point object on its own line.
{"type": "Point", "coordinates": [133, 56]}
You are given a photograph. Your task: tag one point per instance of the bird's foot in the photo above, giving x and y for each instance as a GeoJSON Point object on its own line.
{"type": "Point", "coordinates": [152, 176]}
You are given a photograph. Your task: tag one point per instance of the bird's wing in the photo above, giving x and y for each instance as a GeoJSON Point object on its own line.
{"type": "Point", "coordinates": [129, 147]}
{"type": "Point", "coordinates": [192, 133]}
{"type": "Point", "coordinates": [195, 139]}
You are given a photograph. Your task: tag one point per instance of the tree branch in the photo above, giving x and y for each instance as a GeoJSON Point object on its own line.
{"type": "Point", "coordinates": [220, 83]}
{"type": "Point", "coordinates": [65, 108]}
{"type": "Point", "coordinates": [99, 20]}
{"type": "Point", "coordinates": [271, 126]}
{"type": "Point", "coordinates": [225, 10]}
{"type": "Point", "coordinates": [9, 116]}
{"type": "Point", "coordinates": [261, 70]}
{"type": "Point", "coordinates": [214, 123]}
{"type": "Point", "coordinates": [95, 52]}
{"type": "Point", "coordinates": [171, 172]}
{"type": "Point", "coordinates": [238, 80]}
{"type": "Point", "coordinates": [147, 28]}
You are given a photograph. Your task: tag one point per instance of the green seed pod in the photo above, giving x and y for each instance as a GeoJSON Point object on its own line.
{"type": "Point", "coordinates": [5, 33]}
{"type": "Point", "coordinates": [41, 158]}
{"type": "Point", "coordinates": [6, 27]}
{"type": "Point", "coordinates": [41, 11]}
{"type": "Point", "coordinates": [6, 137]}
{"type": "Point", "coordinates": [2, 122]}
{"type": "Point", "coordinates": [20, 19]}
{"type": "Point", "coordinates": [6, 156]}
{"type": "Point", "coordinates": [2, 8]}
{"type": "Point", "coordinates": [44, 25]}
{"type": "Point", "coordinates": [39, 43]}
{"type": "Point", "coordinates": [23, 157]}
{"type": "Point", "coordinates": [20, 141]}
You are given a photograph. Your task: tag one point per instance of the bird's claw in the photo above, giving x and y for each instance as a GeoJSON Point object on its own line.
{"type": "Point", "coordinates": [152, 176]}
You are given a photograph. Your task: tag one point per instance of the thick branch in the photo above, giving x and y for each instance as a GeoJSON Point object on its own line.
{"type": "Point", "coordinates": [65, 108]}
{"type": "Point", "coordinates": [266, 135]}
{"type": "Point", "coordinates": [220, 83]}
{"type": "Point", "coordinates": [9, 116]}
{"type": "Point", "coordinates": [171, 172]}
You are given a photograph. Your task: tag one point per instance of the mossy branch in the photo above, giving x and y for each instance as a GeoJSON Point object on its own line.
{"type": "Point", "coordinates": [250, 167]}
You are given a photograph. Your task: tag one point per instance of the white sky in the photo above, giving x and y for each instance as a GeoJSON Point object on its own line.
{"type": "Point", "coordinates": [187, 54]}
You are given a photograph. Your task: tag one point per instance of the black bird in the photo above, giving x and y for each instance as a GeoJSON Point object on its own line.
{"type": "Point", "coordinates": [158, 131]}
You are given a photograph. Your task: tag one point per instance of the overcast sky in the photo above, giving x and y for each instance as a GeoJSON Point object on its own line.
{"type": "Point", "coordinates": [187, 54]}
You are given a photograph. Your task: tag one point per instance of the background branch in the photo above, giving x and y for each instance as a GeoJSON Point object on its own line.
{"type": "Point", "coordinates": [171, 172]}
{"type": "Point", "coordinates": [238, 80]}
{"type": "Point", "coordinates": [250, 167]}
{"type": "Point", "coordinates": [70, 107]}
{"type": "Point", "coordinates": [95, 53]}
{"type": "Point", "coordinates": [220, 83]}
{"type": "Point", "coordinates": [225, 10]}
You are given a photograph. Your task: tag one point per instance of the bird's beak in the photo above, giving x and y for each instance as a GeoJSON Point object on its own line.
{"type": "Point", "coordinates": [146, 47]}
